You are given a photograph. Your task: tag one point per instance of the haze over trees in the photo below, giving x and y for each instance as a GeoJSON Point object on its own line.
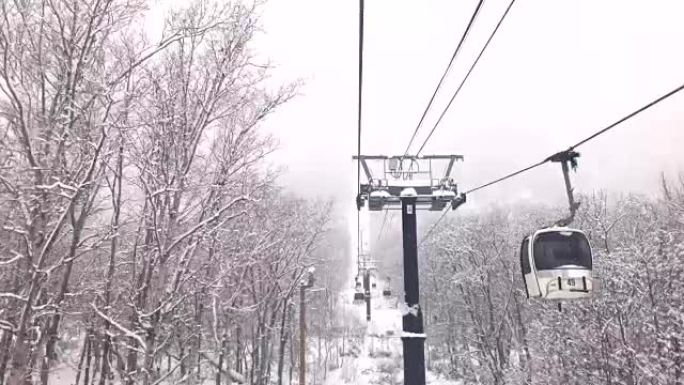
{"type": "Point", "coordinates": [141, 231]}
{"type": "Point", "coordinates": [144, 238]}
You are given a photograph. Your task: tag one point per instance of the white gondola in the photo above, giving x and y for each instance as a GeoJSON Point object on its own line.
{"type": "Point", "coordinates": [387, 290]}
{"type": "Point", "coordinates": [557, 264]}
{"type": "Point", "coordinates": [359, 297]}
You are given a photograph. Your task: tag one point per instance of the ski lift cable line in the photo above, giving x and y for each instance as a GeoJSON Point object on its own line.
{"type": "Point", "coordinates": [360, 94]}
{"type": "Point", "coordinates": [628, 116]}
{"type": "Point", "coordinates": [358, 163]}
{"type": "Point", "coordinates": [571, 148]}
{"type": "Point", "coordinates": [503, 178]}
{"type": "Point", "coordinates": [472, 67]}
{"type": "Point", "coordinates": [446, 71]}
{"type": "Point", "coordinates": [384, 221]}
{"type": "Point", "coordinates": [584, 141]}
{"type": "Point", "coordinates": [434, 225]}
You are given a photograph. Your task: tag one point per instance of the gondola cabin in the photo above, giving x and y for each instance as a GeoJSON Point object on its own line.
{"type": "Point", "coordinates": [359, 297]}
{"type": "Point", "coordinates": [557, 264]}
{"type": "Point", "coordinates": [387, 290]}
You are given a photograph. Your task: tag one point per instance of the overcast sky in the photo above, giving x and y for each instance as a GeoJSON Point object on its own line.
{"type": "Point", "coordinates": [556, 72]}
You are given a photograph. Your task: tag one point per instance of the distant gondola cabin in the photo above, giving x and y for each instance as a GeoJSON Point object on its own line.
{"type": "Point", "coordinates": [556, 263]}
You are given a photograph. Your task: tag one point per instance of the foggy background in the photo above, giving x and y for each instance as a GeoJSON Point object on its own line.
{"type": "Point", "coordinates": [554, 73]}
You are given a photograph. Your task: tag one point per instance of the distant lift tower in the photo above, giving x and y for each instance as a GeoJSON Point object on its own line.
{"type": "Point", "coordinates": [409, 183]}
{"type": "Point", "coordinates": [367, 267]}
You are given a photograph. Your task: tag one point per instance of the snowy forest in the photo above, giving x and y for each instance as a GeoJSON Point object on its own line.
{"type": "Point", "coordinates": [482, 328]}
{"type": "Point", "coordinates": [142, 235]}
{"type": "Point", "coordinates": [145, 237]}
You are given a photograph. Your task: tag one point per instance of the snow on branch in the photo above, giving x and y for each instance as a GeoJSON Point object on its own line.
{"type": "Point", "coordinates": [14, 296]}
{"type": "Point", "coordinates": [15, 230]}
{"type": "Point", "coordinates": [11, 260]}
{"type": "Point", "coordinates": [170, 372]}
{"type": "Point", "coordinates": [125, 331]}
{"type": "Point", "coordinates": [199, 225]}
{"type": "Point", "coordinates": [56, 185]}
{"type": "Point", "coordinates": [234, 376]}
{"type": "Point", "coordinates": [6, 325]}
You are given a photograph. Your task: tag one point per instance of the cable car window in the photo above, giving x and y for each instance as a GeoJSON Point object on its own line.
{"type": "Point", "coordinates": [555, 249]}
{"type": "Point", "coordinates": [525, 257]}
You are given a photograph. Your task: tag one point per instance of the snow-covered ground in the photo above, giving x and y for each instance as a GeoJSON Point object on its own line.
{"type": "Point", "coordinates": [379, 360]}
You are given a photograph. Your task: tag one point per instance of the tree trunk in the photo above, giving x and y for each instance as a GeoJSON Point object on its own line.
{"type": "Point", "coordinates": [149, 375]}
{"type": "Point", "coordinates": [181, 354]}
{"type": "Point", "coordinates": [5, 342]}
{"type": "Point", "coordinates": [267, 348]}
{"type": "Point", "coordinates": [257, 335]}
{"type": "Point", "coordinates": [283, 340]}
{"type": "Point", "coordinates": [86, 376]}
{"type": "Point", "coordinates": [97, 355]}
{"type": "Point", "coordinates": [238, 349]}
{"type": "Point", "coordinates": [114, 244]}
{"type": "Point", "coordinates": [198, 322]}
{"type": "Point", "coordinates": [77, 228]}
{"type": "Point", "coordinates": [81, 359]}
{"type": "Point", "coordinates": [131, 360]}
{"type": "Point", "coordinates": [220, 361]}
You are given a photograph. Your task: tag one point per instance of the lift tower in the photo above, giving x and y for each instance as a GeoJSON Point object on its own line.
{"type": "Point", "coordinates": [409, 183]}
{"type": "Point", "coordinates": [366, 265]}
{"type": "Point", "coordinates": [366, 268]}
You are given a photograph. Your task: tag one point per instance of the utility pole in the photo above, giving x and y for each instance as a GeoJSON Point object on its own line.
{"type": "Point", "coordinates": [413, 337]}
{"type": "Point", "coordinates": [412, 183]}
{"type": "Point", "coordinates": [302, 336]}
{"type": "Point", "coordinates": [307, 284]}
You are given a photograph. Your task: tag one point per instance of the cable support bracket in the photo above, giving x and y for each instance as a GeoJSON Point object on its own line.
{"type": "Point", "coordinates": [567, 159]}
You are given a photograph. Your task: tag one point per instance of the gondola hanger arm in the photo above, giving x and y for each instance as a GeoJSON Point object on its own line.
{"type": "Point", "coordinates": [567, 159]}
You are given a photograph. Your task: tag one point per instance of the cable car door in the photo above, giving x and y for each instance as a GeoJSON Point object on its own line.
{"type": "Point", "coordinates": [529, 276]}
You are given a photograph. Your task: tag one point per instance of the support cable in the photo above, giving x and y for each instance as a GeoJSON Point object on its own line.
{"type": "Point", "coordinates": [629, 116]}
{"type": "Point", "coordinates": [358, 163]}
{"type": "Point", "coordinates": [584, 141]}
{"type": "Point", "coordinates": [384, 222]}
{"type": "Point", "coordinates": [458, 90]}
{"type": "Point", "coordinates": [446, 71]}
{"type": "Point", "coordinates": [434, 225]}
{"type": "Point", "coordinates": [503, 178]}
{"type": "Point", "coordinates": [571, 148]}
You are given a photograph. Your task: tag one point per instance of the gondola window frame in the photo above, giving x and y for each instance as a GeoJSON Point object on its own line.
{"type": "Point", "coordinates": [540, 257]}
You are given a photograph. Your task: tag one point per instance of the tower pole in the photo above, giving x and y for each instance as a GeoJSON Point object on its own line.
{"type": "Point", "coordinates": [367, 293]}
{"type": "Point", "coordinates": [413, 337]}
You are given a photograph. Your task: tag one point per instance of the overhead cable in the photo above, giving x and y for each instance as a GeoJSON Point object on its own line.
{"type": "Point", "coordinates": [358, 163]}
{"type": "Point", "coordinates": [446, 71]}
{"type": "Point", "coordinates": [583, 141]}
{"type": "Point", "coordinates": [382, 227]}
{"type": "Point", "coordinates": [484, 48]}
{"type": "Point", "coordinates": [434, 225]}
{"type": "Point", "coordinates": [571, 148]}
